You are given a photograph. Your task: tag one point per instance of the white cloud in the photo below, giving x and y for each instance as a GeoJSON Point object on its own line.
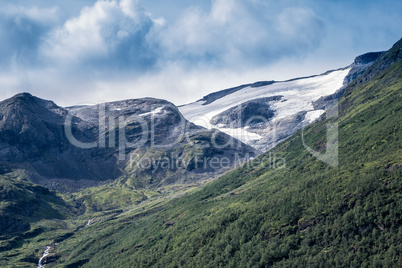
{"type": "Point", "coordinates": [300, 26]}
{"type": "Point", "coordinates": [41, 15]}
{"type": "Point", "coordinates": [241, 33]}
{"type": "Point", "coordinates": [101, 35]}
{"type": "Point", "coordinates": [115, 49]}
{"type": "Point", "coordinates": [21, 29]}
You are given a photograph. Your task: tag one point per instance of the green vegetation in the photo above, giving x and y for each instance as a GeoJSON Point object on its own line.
{"type": "Point", "coordinates": [28, 212]}
{"type": "Point", "coordinates": [32, 217]}
{"type": "Point", "coordinates": [307, 214]}
{"type": "Point", "coordinates": [23, 202]}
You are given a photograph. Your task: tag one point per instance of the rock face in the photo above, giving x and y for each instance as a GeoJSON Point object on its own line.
{"type": "Point", "coordinates": [72, 148]}
{"type": "Point", "coordinates": [361, 64]}
{"type": "Point", "coordinates": [32, 138]}
{"type": "Point", "coordinates": [247, 112]}
{"type": "Point", "coordinates": [383, 62]}
{"type": "Point", "coordinates": [264, 116]}
{"type": "Point", "coordinates": [222, 93]}
{"type": "Point", "coordinates": [358, 67]}
{"type": "Point", "coordinates": [275, 132]}
{"type": "Point", "coordinates": [20, 117]}
{"type": "Point", "coordinates": [162, 147]}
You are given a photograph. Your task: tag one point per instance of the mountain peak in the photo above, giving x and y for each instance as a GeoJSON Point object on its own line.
{"type": "Point", "coordinates": [33, 103]}
{"type": "Point", "coordinates": [360, 65]}
{"type": "Point", "coordinates": [368, 57]}
{"type": "Point", "coordinates": [395, 53]}
{"type": "Point", "coordinates": [23, 95]}
{"type": "Point", "coordinates": [385, 60]}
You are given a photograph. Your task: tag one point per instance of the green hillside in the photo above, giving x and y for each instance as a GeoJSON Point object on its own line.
{"type": "Point", "coordinates": [283, 209]}
{"type": "Point", "coordinates": [27, 212]}
{"type": "Point", "coordinates": [306, 214]}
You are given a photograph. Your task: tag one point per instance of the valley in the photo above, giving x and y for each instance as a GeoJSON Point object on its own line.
{"type": "Point", "coordinates": [272, 205]}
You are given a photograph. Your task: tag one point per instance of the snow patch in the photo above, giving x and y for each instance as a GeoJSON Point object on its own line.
{"type": "Point", "coordinates": [311, 116]}
{"type": "Point", "coordinates": [298, 96]}
{"type": "Point", "coordinates": [241, 134]}
{"type": "Point", "coordinates": [158, 110]}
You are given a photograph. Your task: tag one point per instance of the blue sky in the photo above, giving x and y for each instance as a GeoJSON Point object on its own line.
{"type": "Point", "coordinates": [87, 51]}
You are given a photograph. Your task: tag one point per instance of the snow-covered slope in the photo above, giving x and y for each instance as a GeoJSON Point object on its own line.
{"type": "Point", "coordinates": [264, 113]}
{"type": "Point", "coordinates": [292, 109]}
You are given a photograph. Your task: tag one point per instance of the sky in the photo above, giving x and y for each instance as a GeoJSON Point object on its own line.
{"type": "Point", "coordinates": [86, 51]}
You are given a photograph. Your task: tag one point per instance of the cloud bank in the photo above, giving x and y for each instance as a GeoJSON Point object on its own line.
{"type": "Point", "coordinates": [121, 49]}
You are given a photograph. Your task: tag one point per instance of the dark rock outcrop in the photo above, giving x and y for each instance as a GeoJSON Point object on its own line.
{"type": "Point", "coordinates": [361, 64]}
{"type": "Point", "coordinates": [72, 148]}
{"type": "Point", "coordinates": [249, 113]}
{"type": "Point", "coordinates": [32, 137]}
{"type": "Point", "coordinates": [222, 93]}
{"type": "Point", "coordinates": [358, 67]}
{"type": "Point", "coordinates": [383, 62]}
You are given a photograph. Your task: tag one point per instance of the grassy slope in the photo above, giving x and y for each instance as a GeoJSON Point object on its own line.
{"type": "Point", "coordinates": [307, 214]}
{"type": "Point", "coordinates": [27, 211]}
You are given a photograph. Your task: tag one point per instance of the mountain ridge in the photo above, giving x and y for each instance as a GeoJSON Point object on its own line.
{"type": "Point", "coordinates": [363, 59]}
{"type": "Point", "coordinates": [284, 208]}
{"type": "Point", "coordinates": [306, 214]}
{"type": "Point", "coordinates": [69, 149]}
{"type": "Point", "coordinates": [216, 107]}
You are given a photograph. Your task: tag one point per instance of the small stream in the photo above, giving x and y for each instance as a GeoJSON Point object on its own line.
{"type": "Point", "coordinates": [40, 265]}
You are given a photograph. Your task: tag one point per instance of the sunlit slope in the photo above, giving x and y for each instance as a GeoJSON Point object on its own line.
{"type": "Point", "coordinates": [306, 214]}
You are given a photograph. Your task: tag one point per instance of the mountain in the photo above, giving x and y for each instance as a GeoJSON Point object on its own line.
{"type": "Point", "coordinates": [145, 142]}
{"type": "Point", "coordinates": [289, 207]}
{"type": "Point", "coordinates": [32, 139]}
{"type": "Point", "coordinates": [73, 148]}
{"type": "Point", "coordinates": [286, 208]}
{"type": "Point", "coordinates": [265, 113]}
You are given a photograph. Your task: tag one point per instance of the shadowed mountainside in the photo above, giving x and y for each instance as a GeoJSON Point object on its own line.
{"type": "Point", "coordinates": [108, 141]}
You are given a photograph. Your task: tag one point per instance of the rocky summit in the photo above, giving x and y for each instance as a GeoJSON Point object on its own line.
{"type": "Point", "coordinates": [77, 147]}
